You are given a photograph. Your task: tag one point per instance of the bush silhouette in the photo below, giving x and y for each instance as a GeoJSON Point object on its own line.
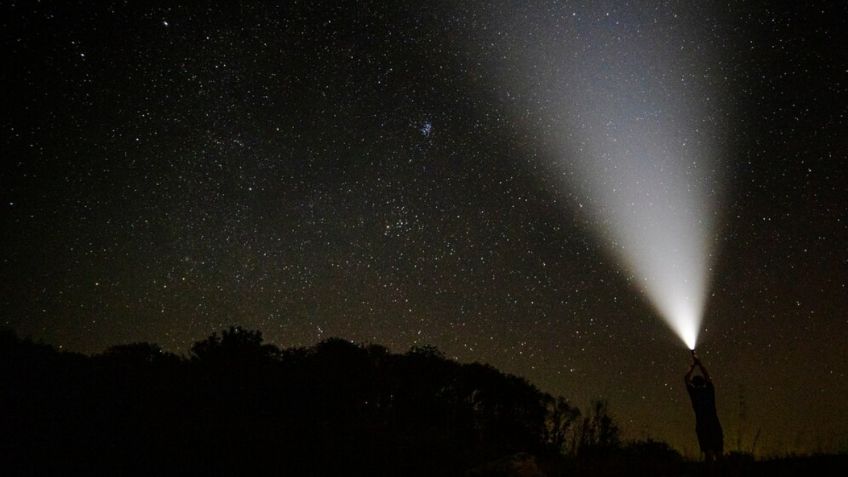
{"type": "Point", "coordinates": [237, 405]}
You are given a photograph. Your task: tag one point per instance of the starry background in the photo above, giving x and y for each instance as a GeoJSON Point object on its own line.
{"type": "Point", "coordinates": [358, 170]}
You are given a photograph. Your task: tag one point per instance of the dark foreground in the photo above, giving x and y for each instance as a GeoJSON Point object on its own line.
{"type": "Point", "coordinates": [237, 406]}
{"type": "Point", "coordinates": [622, 464]}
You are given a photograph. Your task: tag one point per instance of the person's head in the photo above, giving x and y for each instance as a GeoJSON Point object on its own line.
{"type": "Point", "coordinates": [699, 381]}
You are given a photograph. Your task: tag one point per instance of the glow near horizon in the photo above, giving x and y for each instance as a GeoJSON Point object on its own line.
{"type": "Point", "coordinates": [632, 117]}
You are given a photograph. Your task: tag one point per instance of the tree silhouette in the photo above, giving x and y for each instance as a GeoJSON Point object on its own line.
{"type": "Point", "coordinates": [237, 405]}
{"type": "Point", "coordinates": [234, 345]}
{"type": "Point", "coordinates": [561, 422]}
{"type": "Point", "coordinates": [598, 432]}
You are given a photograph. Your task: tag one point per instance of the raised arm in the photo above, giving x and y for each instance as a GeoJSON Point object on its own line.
{"type": "Point", "coordinates": [704, 372]}
{"type": "Point", "coordinates": [688, 377]}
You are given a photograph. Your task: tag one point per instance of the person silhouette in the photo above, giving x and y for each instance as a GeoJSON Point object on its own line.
{"type": "Point", "coordinates": [702, 393]}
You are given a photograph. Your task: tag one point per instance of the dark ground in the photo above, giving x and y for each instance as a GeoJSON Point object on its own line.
{"type": "Point", "coordinates": [236, 406]}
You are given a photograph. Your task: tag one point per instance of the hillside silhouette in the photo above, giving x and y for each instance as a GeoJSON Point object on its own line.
{"type": "Point", "coordinates": [238, 406]}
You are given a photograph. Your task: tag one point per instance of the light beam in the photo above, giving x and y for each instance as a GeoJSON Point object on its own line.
{"type": "Point", "coordinates": [628, 104]}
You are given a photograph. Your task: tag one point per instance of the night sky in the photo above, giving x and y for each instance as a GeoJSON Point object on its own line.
{"type": "Point", "coordinates": [380, 172]}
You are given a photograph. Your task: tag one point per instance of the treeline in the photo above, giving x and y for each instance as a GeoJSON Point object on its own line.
{"type": "Point", "coordinates": [236, 404]}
